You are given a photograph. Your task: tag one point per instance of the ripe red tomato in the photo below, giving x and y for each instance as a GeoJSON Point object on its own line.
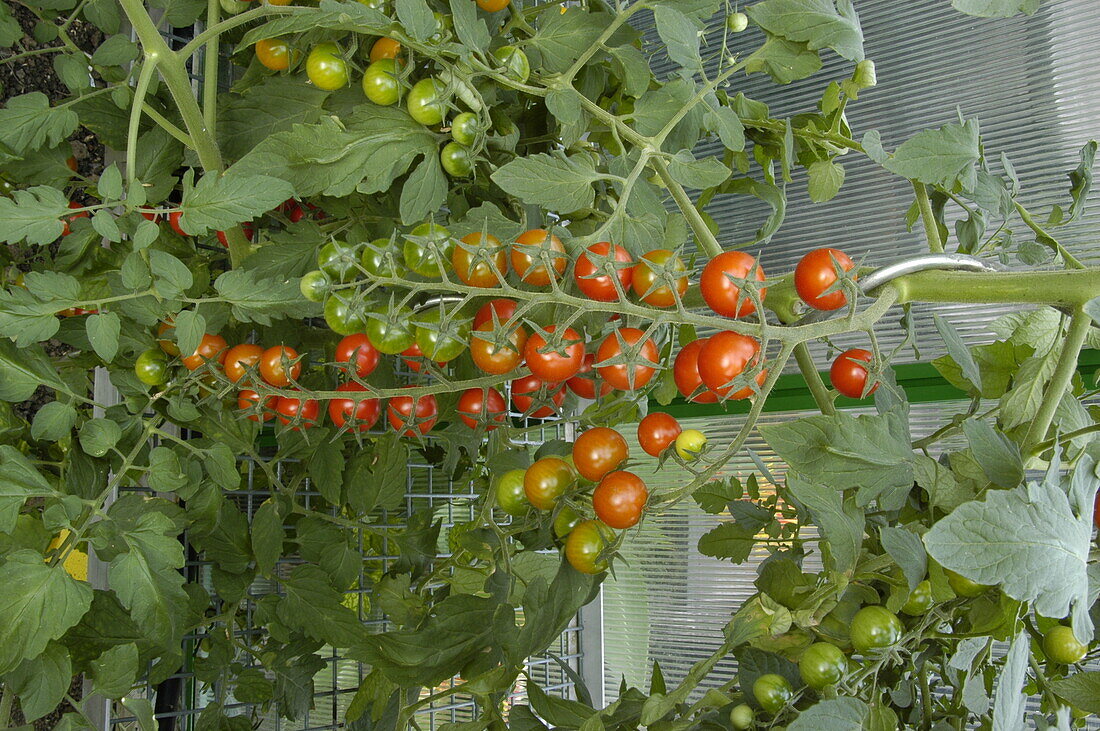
{"type": "Point", "coordinates": [529, 389]}
{"type": "Point", "coordinates": [402, 413]}
{"type": "Point", "coordinates": [211, 348]}
{"type": "Point", "coordinates": [585, 544]}
{"type": "Point", "coordinates": [278, 366]}
{"type": "Point", "coordinates": [599, 451]}
{"type": "Point", "coordinates": [547, 480]}
{"type": "Point", "coordinates": [240, 358]}
{"type": "Point", "coordinates": [482, 407]}
{"type": "Point", "coordinates": [584, 383]}
{"type": "Point", "coordinates": [414, 358]}
{"type": "Point", "coordinates": [724, 357]}
{"type": "Point", "coordinates": [505, 310]}
{"type": "Point", "coordinates": [491, 359]}
{"type": "Point", "coordinates": [299, 412]}
{"type": "Point", "coordinates": [247, 227]}
{"type": "Point", "coordinates": [601, 286]}
{"type": "Point", "coordinates": [551, 365]}
{"type": "Point", "coordinates": [247, 399]}
{"type": "Point", "coordinates": [619, 499]}
{"type": "Point", "coordinates": [685, 371]}
{"type": "Point", "coordinates": [293, 210]}
{"type": "Point", "coordinates": [849, 377]}
{"type": "Point", "coordinates": [816, 273]}
{"type": "Point", "coordinates": [527, 259]}
{"type": "Point", "coordinates": [647, 282]}
{"type": "Point", "coordinates": [622, 376]}
{"type": "Point", "coordinates": [657, 432]}
{"type": "Point", "coordinates": [724, 295]}
{"type": "Point", "coordinates": [480, 260]}
{"type": "Point", "coordinates": [174, 222]}
{"type": "Point", "coordinates": [357, 348]}
{"type": "Point", "coordinates": [343, 410]}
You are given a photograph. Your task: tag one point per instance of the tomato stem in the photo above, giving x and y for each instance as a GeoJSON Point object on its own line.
{"type": "Point", "coordinates": [813, 379]}
{"type": "Point", "coordinates": [1079, 327]}
{"type": "Point", "coordinates": [931, 226]}
{"type": "Point", "coordinates": [210, 67]}
{"type": "Point", "coordinates": [703, 236]}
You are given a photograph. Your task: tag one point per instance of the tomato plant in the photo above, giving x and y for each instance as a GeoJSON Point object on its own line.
{"type": "Point", "coordinates": [657, 432]}
{"type": "Point", "coordinates": [821, 665]}
{"type": "Point", "coordinates": [391, 332]}
{"type": "Point", "coordinates": [240, 359]}
{"type": "Point", "coordinates": [439, 338]}
{"type": "Point", "coordinates": [536, 398]}
{"type": "Point", "coordinates": [273, 53]}
{"type": "Point", "coordinates": [299, 413]}
{"type": "Point", "coordinates": [585, 382]}
{"type": "Point", "coordinates": [685, 371]}
{"type": "Point", "coordinates": [151, 368]}
{"type": "Point", "coordinates": [510, 494]}
{"type": "Point", "coordinates": [1061, 646]}
{"type": "Point", "coordinates": [772, 692]}
{"type": "Point", "coordinates": [249, 400]}
{"type": "Point", "coordinates": [380, 82]}
{"type": "Point", "coordinates": [480, 260]}
{"type": "Point", "coordinates": [495, 356]}
{"type": "Point", "coordinates": [426, 102]}
{"type": "Point", "coordinates": [724, 357]}
{"type": "Point", "coordinates": [875, 628]}
{"type": "Point", "coordinates": [599, 451]}
{"type": "Point", "coordinates": [358, 353]}
{"type": "Point", "coordinates": [326, 68]}
{"type": "Point", "coordinates": [212, 349]}
{"type": "Point", "coordinates": [656, 278]}
{"type": "Point", "coordinates": [689, 443]}
{"type": "Point", "coordinates": [920, 599]}
{"type": "Point", "coordinates": [426, 248]}
{"type": "Point", "coordinates": [280, 365]}
{"type": "Point", "coordinates": [619, 499]}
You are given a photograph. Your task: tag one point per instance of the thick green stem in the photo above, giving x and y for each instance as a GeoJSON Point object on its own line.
{"type": "Point", "coordinates": [166, 125]}
{"type": "Point", "coordinates": [210, 67]}
{"type": "Point", "coordinates": [810, 373]}
{"type": "Point", "coordinates": [1066, 288]}
{"type": "Point", "coordinates": [1044, 238]}
{"type": "Point", "coordinates": [596, 45]}
{"type": "Point", "coordinates": [145, 77]}
{"type": "Point", "coordinates": [703, 236]}
{"type": "Point", "coordinates": [931, 228]}
{"type": "Point", "coordinates": [1063, 375]}
{"type": "Point", "coordinates": [215, 31]}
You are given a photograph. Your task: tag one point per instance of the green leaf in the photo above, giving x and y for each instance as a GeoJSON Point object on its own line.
{"type": "Point", "coordinates": [115, 671]}
{"type": "Point", "coordinates": [326, 468]}
{"type": "Point", "coordinates": [723, 121]}
{"type": "Point", "coordinates": [99, 436]}
{"type": "Point", "coordinates": [220, 202]}
{"type": "Point", "coordinates": [633, 68]}
{"type": "Point", "coordinates": [424, 192]}
{"type": "Point", "coordinates": [1010, 701]}
{"type": "Point", "coordinates": [1028, 540]}
{"type": "Point", "coordinates": [561, 712]}
{"type": "Point", "coordinates": [995, 8]}
{"type": "Point", "coordinates": [840, 521]}
{"type": "Point", "coordinates": [728, 540]}
{"type": "Point", "coordinates": [10, 30]}
{"type": "Point", "coordinates": [1081, 690]}
{"type": "Point", "coordinates": [997, 362]}
{"type": "Point", "coordinates": [116, 50]}
{"type": "Point", "coordinates": [190, 326]}
{"type": "Point", "coordinates": [41, 682]}
{"type": "Point", "coordinates": [958, 351]}
{"type": "Point", "coordinates": [556, 182]}
{"type": "Point", "coordinates": [143, 711]}
{"type": "Point", "coordinates": [826, 177]}
{"type": "Point", "coordinates": [817, 23]}
{"type": "Point", "coordinates": [19, 480]}
{"type": "Point", "coordinates": [565, 105]}
{"type": "Point", "coordinates": [656, 108]}
{"type": "Point", "coordinates": [713, 497]}
{"type": "Point", "coordinates": [785, 61]}
{"type": "Point", "coordinates": [313, 607]}
{"type": "Point", "coordinates": [943, 157]}
{"type": "Point", "coordinates": [104, 225]}
{"type": "Point", "coordinates": [697, 174]}
{"type": "Point", "coordinates": [33, 215]}
{"type": "Point", "coordinates": [23, 370]}
{"type": "Point", "coordinates": [680, 34]}
{"type": "Point", "coordinates": [103, 332]}
{"type": "Point", "coordinates": [998, 456]}
{"type": "Point", "coordinates": [39, 603]}
{"type": "Point", "coordinates": [772, 195]}
{"type": "Point", "coordinates": [53, 421]}
{"type": "Point", "coordinates": [254, 299]}
{"type": "Point", "coordinates": [28, 122]}
{"type": "Point", "coordinates": [1022, 402]}
{"type": "Point", "coordinates": [104, 14]}
{"type": "Point", "coordinates": [221, 465]}
{"type": "Point", "coordinates": [110, 183]}
{"type": "Point", "coordinates": [842, 451]}
{"type": "Point", "coordinates": [267, 537]}
{"type": "Point", "coordinates": [469, 28]}
{"type": "Point", "coordinates": [907, 550]}
{"type": "Point", "coordinates": [1081, 180]}
{"type": "Point", "coordinates": [159, 155]}
{"type": "Point", "coordinates": [275, 104]}
{"type": "Point", "coordinates": [172, 277]}
{"type": "Point", "coordinates": [561, 38]}
{"type": "Point", "coordinates": [872, 145]}
{"type": "Point", "coordinates": [417, 18]}
{"type": "Point", "coordinates": [252, 686]}
{"type": "Point", "coordinates": [837, 714]}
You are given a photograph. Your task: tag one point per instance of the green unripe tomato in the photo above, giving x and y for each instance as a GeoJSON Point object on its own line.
{"type": "Point", "coordinates": [378, 258]}
{"type": "Point", "coordinates": [465, 128]}
{"type": "Point", "coordinates": [339, 260]}
{"type": "Point", "coordinates": [391, 332]}
{"type": "Point", "coordinates": [963, 586]}
{"type": "Point", "coordinates": [151, 367]}
{"type": "Point", "coordinates": [456, 160]}
{"type": "Point", "coordinates": [515, 63]}
{"type": "Point", "coordinates": [326, 68]}
{"type": "Point", "coordinates": [438, 341]}
{"type": "Point", "coordinates": [426, 248]}
{"type": "Point", "coordinates": [1061, 645]}
{"type": "Point", "coordinates": [426, 103]}
{"type": "Point", "coordinates": [920, 600]}
{"type": "Point", "coordinates": [741, 717]}
{"type": "Point", "coordinates": [737, 22]}
{"type": "Point", "coordinates": [380, 82]}
{"type": "Point", "coordinates": [510, 495]}
{"type": "Point", "coordinates": [344, 316]}
{"type": "Point", "coordinates": [865, 76]}
{"type": "Point", "coordinates": [565, 521]}
{"type": "Point", "coordinates": [822, 665]}
{"type": "Point", "coordinates": [234, 7]}
{"type": "Point", "coordinates": [772, 692]}
{"type": "Point", "coordinates": [875, 628]}
{"type": "Point", "coordinates": [689, 443]}
{"type": "Point", "coordinates": [315, 285]}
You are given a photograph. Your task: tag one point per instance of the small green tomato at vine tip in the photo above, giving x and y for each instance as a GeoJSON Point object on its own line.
{"type": "Point", "coordinates": [511, 497]}
{"type": "Point", "coordinates": [865, 76]}
{"type": "Point", "coordinates": [741, 717]}
{"type": "Point", "coordinates": [875, 628]}
{"type": "Point", "coordinates": [737, 22]}
{"type": "Point", "coordinates": [689, 443]}
{"type": "Point", "coordinates": [1062, 646]}
{"type": "Point", "coordinates": [772, 692]}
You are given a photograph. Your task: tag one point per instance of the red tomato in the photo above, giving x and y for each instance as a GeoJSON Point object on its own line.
{"type": "Point", "coordinates": [293, 210]}
{"type": "Point", "coordinates": [491, 359]}
{"type": "Point", "coordinates": [685, 371]}
{"type": "Point", "coordinates": [247, 399]}
{"type": "Point", "coordinates": [584, 383]}
{"type": "Point", "coordinates": [279, 366]}
{"type": "Point", "coordinates": [82, 214]}
{"type": "Point", "coordinates": [240, 358]}
{"type": "Point", "coordinates": [849, 377]}
{"type": "Point", "coordinates": [547, 480]}
{"type": "Point", "coordinates": [357, 347]}
{"type": "Point", "coordinates": [619, 499]}
{"type": "Point", "coordinates": [414, 358]}
{"type": "Point", "coordinates": [482, 406]}
{"type": "Point", "coordinates": [723, 294]}
{"type": "Point", "coordinates": [211, 348]}
{"type": "Point", "coordinates": [601, 287]}
{"type": "Point", "coordinates": [480, 260]}
{"type": "Point", "coordinates": [293, 410]}
{"type": "Point", "coordinates": [401, 414]}
{"type": "Point", "coordinates": [149, 216]}
{"type": "Point", "coordinates": [816, 273]}
{"type": "Point", "coordinates": [549, 365]}
{"type": "Point", "coordinates": [599, 451]}
{"type": "Point", "coordinates": [624, 377]}
{"type": "Point", "coordinates": [174, 222]}
{"type": "Point", "coordinates": [724, 357]}
{"type": "Point", "coordinates": [249, 233]}
{"type": "Point", "coordinates": [365, 412]}
{"type": "Point", "coordinates": [647, 283]}
{"type": "Point", "coordinates": [529, 389]}
{"type": "Point", "coordinates": [527, 259]}
{"type": "Point", "coordinates": [505, 309]}
{"type": "Point", "coordinates": [657, 432]}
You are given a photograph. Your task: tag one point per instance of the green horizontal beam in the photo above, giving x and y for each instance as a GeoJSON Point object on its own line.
{"type": "Point", "coordinates": [921, 382]}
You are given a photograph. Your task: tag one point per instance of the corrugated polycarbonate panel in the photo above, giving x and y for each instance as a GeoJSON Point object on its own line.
{"type": "Point", "coordinates": [1031, 82]}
